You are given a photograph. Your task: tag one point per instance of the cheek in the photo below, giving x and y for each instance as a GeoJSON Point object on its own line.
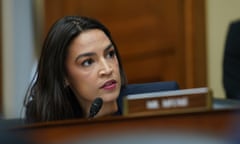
{"type": "Point", "coordinates": [116, 67]}
{"type": "Point", "coordinates": [83, 85]}
{"type": "Point", "coordinates": [79, 77]}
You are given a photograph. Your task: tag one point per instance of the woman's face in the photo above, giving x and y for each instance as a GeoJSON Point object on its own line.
{"type": "Point", "coordinates": [92, 67]}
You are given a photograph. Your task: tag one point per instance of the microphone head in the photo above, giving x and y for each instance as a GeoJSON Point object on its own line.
{"type": "Point", "coordinates": [95, 107]}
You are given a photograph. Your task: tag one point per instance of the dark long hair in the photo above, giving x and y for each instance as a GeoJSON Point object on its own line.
{"type": "Point", "coordinates": [47, 98]}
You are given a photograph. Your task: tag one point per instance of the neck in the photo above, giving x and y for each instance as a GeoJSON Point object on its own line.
{"type": "Point", "coordinates": [107, 109]}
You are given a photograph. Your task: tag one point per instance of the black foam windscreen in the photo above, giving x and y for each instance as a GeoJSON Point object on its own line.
{"type": "Point", "coordinates": [95, 107]}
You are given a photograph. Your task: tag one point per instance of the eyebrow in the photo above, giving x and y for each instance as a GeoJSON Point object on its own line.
{"type": "Point", "coordinates": [92, 53]}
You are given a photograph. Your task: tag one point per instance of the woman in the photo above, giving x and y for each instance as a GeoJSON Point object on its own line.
{"type": "Point", "coordinates": [79, 62]}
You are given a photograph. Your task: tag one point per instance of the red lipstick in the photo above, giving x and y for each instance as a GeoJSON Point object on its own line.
{"type": "Point", "coordinates": [109, 85]}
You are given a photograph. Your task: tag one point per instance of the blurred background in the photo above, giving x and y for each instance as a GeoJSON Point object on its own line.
{"type": "Point", "coordinates": [159, 40]}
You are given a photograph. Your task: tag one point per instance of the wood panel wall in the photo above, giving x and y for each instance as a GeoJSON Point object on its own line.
{"type": "Point", "coordinates": [159, 40]}
{"type": "Point", "coordinates": [1, 63]}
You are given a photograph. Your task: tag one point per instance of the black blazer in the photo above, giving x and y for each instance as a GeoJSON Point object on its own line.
{"type": "Point", "coordinates": [231, 62]}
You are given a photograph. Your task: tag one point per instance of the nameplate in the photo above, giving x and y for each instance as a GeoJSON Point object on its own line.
{"type": "Point", "coordinates": [177, 101]}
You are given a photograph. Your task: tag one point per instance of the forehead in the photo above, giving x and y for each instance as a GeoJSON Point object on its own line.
{"type": "Point", "coordinates": [89, 38]}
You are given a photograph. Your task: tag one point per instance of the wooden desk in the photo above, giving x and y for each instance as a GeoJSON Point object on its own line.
{"type": "Point", "coordinates": [214, 122]}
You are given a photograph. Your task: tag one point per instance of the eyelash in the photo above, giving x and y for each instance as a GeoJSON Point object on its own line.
{"type": "Point", "coordinates": [111, 54]}
{"type": "Point", "coordinates": [89, 61]}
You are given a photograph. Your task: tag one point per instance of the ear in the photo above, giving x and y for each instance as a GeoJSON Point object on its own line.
{"type": "Point", "coordinates": [66, 82]}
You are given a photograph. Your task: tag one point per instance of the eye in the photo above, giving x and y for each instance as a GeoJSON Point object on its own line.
{"type": "Point", "coordinates": [87, 62]}
{"type": "Point", "coordinates": [111, 54]}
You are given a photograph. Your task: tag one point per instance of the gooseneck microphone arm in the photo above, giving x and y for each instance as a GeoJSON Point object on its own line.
{"type": "Point", "coordinates": [95, 107]}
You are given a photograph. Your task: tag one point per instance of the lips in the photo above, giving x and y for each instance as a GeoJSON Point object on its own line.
{"type": "Point", "coordinates": [109, 84]}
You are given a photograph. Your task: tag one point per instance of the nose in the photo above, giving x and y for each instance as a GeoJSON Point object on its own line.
{"type": "Point", "coordinates": [106, 68]}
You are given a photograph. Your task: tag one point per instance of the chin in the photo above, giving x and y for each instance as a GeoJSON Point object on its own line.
{"type": "Point", "coordinates": [110, 97]}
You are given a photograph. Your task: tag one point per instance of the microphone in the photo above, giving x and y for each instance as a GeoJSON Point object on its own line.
{"type": "Point", "coordinates": [95, 107]}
